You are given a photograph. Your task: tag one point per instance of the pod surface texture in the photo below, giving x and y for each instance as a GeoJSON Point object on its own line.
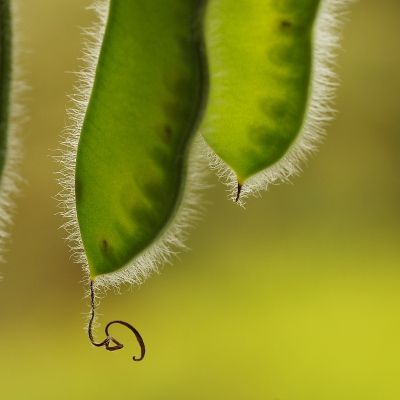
{"type": "Point", "coordinates": [139, 124]}
{"type": "Point", "coordinates": [260, 65]}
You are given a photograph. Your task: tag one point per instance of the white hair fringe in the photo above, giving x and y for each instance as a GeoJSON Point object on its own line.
{"type": "Point", "coordinates": [324, 81]}
{"type": "Point", "coordinates": [319, 113]}
{"type": "Point", "coordinates": [172, 239]}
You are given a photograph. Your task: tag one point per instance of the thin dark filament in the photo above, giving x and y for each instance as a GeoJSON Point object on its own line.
{"type": "Point", "coordinates": [239, 189]}
{"type": "Point", "coordinates": [109, 339]}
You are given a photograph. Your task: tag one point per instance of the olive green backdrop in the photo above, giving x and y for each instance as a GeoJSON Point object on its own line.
{"type": "Point", "coordinates": [295, 298]}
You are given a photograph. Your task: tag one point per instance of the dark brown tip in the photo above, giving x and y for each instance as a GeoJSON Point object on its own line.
{"type": "Point", "coordinates": [239, 189]}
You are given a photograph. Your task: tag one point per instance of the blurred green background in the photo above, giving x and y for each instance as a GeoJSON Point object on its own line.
{"type": "Point", "coordinates": [295, 298]}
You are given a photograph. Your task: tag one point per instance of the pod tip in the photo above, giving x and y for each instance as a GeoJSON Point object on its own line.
{"type": "Point", "coordinates": [239, 189]}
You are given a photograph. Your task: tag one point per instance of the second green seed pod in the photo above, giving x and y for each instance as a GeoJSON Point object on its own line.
{"type": "Point", "coordinates": [270, 66]}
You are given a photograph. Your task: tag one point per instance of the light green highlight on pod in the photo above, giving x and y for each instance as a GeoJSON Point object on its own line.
{"type": "Point", "coordinates": [143, 110]}
{"type": "Point", "coordinates": [260, 56]}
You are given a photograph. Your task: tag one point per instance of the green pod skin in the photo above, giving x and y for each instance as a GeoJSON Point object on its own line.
{"type": "Point", "coordinates": [5, 78]}
{"type": "Point", "coordinates": [142, 114]}
{"type": "Point", "coordinates": [12, 116]}
{"type": "Point", "coordinates": [260, 56]}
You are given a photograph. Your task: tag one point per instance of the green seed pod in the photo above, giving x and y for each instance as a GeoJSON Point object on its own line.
{"type": "Point", "coordinates": [11, 89]}
{"type": "Point", "coordinates": [270, 66]}
{"type": "Point", "coordinates": [142, 113]}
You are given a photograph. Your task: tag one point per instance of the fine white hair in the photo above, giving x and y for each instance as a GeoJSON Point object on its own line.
{"type": "Point", "coordinates": [172, 239]}
{"type": "Point", "coordinates": [324, 82]}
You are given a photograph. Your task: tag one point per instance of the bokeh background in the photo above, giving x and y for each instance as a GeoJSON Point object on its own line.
{"type": "Point", "coordinates": [295, 298]}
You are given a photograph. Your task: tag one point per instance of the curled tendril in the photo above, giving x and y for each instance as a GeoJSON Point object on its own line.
{"type": "Point", "coordinates": [109, 342]}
